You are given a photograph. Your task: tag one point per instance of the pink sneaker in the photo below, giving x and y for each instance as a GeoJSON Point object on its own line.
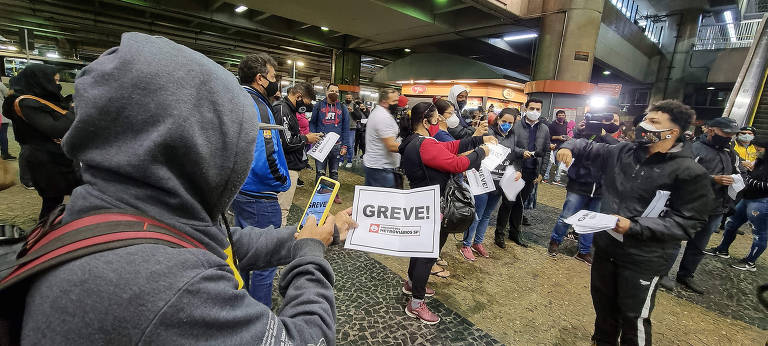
{"type": "Point", "coordinates": [480, 249]}
{"type": "Point", "coordinates": [407, 289]}
{"type": "Point", "coordinates": [423, 313]}
{"type": "Point", "coordinates": [467, 253]}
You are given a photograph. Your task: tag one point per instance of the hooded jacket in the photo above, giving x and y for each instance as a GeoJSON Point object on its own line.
{"type": "Point", "coordinates": [514, 158]}
{"type": "Point", "coordinates": [585, 177]}
{"type": "Point", "coordinates": [331, 117]}
{"type": "Point", "coordinates": [463, 130]}
{"type": "Point", "coordinates": [630, 182]}
{"type": "Point", "coordinates": [717, 161]}
{"type": "Point", "coordinates": [178, 154]}
{"type": "Point", "coordinates": [294, 143]}
{"type": "Point", "coordinates": [269, 170]}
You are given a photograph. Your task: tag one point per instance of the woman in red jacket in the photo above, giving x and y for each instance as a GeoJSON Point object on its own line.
{"type": "Point", "coordinates": [428, 162]}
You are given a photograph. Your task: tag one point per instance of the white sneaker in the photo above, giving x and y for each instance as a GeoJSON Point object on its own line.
{"type": "Point", "coordinates": [349, 164]}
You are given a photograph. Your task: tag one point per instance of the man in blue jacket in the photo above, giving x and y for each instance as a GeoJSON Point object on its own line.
{"type": "Point", "coordinates": [256, 204]}
{"type": "Point", "coordinates": [330, 116]}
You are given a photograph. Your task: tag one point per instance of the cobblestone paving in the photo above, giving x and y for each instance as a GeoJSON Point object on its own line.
{"type": "Point", "coordinates": [370, 306]}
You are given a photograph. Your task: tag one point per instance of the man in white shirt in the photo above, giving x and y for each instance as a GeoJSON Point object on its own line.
{"type": "Point", "coordinates": [381, 141]}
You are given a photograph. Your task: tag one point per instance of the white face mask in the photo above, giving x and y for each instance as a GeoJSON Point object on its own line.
{"type": "Point", "coordinates": [453, 121]}
{"type": "Point", "coordinates": [533, 115]}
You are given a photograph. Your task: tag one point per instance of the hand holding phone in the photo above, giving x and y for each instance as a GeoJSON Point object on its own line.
{"type": "Point", "coordinates": [319, 205]}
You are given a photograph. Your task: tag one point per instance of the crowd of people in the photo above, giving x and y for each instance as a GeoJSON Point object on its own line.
{"type": "Point", "coordinates": [186, 156]}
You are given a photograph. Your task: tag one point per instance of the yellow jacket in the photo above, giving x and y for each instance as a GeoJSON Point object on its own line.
{"type": "Point", "coordinates": [748, 153]}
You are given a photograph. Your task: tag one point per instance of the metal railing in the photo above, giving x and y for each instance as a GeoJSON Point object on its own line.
{"type": "Point", "coordinates": [729, 35]}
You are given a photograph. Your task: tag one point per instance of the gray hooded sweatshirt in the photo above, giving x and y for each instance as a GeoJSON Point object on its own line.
{"type": "Point", "coordinates": [166, 131]}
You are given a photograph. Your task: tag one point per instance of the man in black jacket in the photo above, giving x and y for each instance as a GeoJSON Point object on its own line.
{"type": "Point", "coordinates": [713, 152]}
{"type": "Point", "coordinates": [532, 136]}
{"type": "Point", "coordinates": [630, 259]}
{"type": "Point", "coordinates": [584, 183]}
{"type": "Point", "coordinates": [298, 100]}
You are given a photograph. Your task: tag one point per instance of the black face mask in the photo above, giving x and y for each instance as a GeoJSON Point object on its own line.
{"type": "Point", "coordinates": [610, 128]}
{"type": "Point", "coordinates": [720, 141]}
{"type": "Point", "coordinates": [301, 107]}
{"type": "Point", "coordinates": [645, 137]}
{"type": "Point", "coordinates": [393, 109]}
{"type": "Point", "coordinates": [271, 88]}
{"type": "Point", "coordinates": [347, 101]}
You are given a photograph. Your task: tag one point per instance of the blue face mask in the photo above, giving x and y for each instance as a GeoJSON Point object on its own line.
{"type": "Point", "coordinates": [504, 127]}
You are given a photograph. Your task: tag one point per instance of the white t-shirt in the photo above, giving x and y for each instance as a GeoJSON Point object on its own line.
{"type": "Point", "coordinates": [380, 125]}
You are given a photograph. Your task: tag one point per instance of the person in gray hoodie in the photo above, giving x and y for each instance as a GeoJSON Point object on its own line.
{"type": "Point", "coordinates": [179, 155]}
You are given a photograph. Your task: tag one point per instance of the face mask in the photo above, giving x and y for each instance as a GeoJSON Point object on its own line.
{"type": "Point", "coordinates": [461, 104]}
{"type": "Point", "coordinates": [533, 115]}
{"type": "Point", "coordinates": [301, 107]}
{"type": "Point", "coordinates": [746, 138]}
{"type": "Point", "coordinates": [647, 134]}
{"type": "Point", "coordinates": [453, 121]}
{"type": "Point", "coordinates": [333, 97]}
{"type": "Point", "coordinates": [720, 141]}
{"type": "Point", "coordinates": [271, 88]}
{"type": "Point", "coordinates": [433, 129]}
{"type": "Point", "coordinates": [610, 128]}
{"type": "Point", "coordinates": [347, 101]}
{"type": "Point", "coordinates": [504, 127]}
{"type": "Point", "coordinates": [393, 109]}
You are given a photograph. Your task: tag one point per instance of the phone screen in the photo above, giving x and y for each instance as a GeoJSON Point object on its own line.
{"type": "Point", "coordinates": [321, 200]}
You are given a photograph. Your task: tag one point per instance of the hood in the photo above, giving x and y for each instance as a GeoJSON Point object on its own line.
{"type": "Point", "coordinates": [38, 80]}
{"type": "Point", "coordinates": [163, 130]}
{"type": "Point", "coordinates": [452, 94]}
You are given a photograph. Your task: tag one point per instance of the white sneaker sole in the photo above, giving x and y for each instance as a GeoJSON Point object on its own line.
{"type": "Point", "coordinates": [465, 257]}
{"type": "Point", "coordinates": [410, 314]}
{"type": "Point", "coordinates": [749, 269]}
{"type": "Point", "coordinates": [411, 293]}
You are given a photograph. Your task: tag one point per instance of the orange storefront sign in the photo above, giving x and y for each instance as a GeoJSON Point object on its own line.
{"type": "Point", "coordinates": [419, 89]}
{"type": "Point", "coordinates": [475, 90]}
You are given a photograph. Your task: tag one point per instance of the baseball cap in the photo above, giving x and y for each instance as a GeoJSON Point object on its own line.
{"type": "Point", "coordinates": [728, 125]}
{"type": "Point", "coordinates": [402, 101]}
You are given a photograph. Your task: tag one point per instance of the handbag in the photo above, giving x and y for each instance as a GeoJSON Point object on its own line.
{"type": "Point", "coordinates": [457, 204]}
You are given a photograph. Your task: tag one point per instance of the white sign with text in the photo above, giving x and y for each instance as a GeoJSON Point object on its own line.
{"type": "Point", "coordinates": [481, 181]}
{"type": "Point", "coordinates": [321, 149]}
{"type": "Point", "coordinates": [395, 222]}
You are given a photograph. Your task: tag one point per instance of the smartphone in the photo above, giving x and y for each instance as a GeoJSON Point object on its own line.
{"type": "Point", "coordinates": [322, 199]}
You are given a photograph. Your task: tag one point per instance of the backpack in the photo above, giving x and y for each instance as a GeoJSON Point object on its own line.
{"type": "Point", "coordinates": [51, 244]}
{"type": "Point", "coordinates": [457, 204]}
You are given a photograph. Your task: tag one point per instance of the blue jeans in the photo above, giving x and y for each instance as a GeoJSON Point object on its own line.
{"type": "Point", "coordinates": [258, 213]}
{"type": "Point", "coordinates": [484, 206]}
{"type": "Point", "coordinates": [530, 201]}
{"type": "Point", "coordinates": [331, 162]}
{"type": "Point", "coordinates": [549, 168]}
{"type": "Point", "coordinates": [693, 249]}
{"type": "Point", "coordinates": [350, 151]}
{"type": "Point", "coordinates": [573, 203]}
{"type": "Point", "coordinates": [379, 177]}
{"type": "Point", "coordinates": [756, 212]}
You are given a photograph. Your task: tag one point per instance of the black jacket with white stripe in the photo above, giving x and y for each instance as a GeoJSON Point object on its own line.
{"type": "Point", "coordinates": [756, 181]}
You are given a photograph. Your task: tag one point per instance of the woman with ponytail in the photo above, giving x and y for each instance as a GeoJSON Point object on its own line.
{"type": "Point", "coordinates": [427, 162]}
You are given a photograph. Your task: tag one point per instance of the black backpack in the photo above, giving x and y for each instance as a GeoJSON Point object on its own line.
{"type": "Point", "coordinates": [51, 244]}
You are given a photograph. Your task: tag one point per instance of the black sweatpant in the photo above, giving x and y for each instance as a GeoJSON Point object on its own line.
{"type": "Point", "coordinates": [359, 141]}
{"type": "Point", "coordinates": [419, 270]}
{"type": "Point", "coordinates": [623, 301]}
{"type": "Point", "coordinates": [512, 211]}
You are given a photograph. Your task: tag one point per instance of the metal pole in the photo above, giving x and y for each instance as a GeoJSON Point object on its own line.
{"type": "Point", "coordinates": [293, 82]}
{"type": "Point", "coordinates": [26, 44]}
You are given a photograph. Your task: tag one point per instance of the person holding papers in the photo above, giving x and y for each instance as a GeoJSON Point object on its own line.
{"type": "Point", "coordinates": [584, 183]}
{"type": "Point", "coordinates": [713, 152]}
{"type": "Point", "coordinates": [753, 207]}
{"type": "Point", "coordinates": [629, 260]}
{"type": "Point", "coordinates": [428, 162]}
{"type": "Point", "coordinates": [501, 128]}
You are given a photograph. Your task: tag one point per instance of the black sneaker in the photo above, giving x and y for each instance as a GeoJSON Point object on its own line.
{"type": "Point", "coordinates": [744, 265]}
{"type": "Point", "coordinates": [691, 285]}
{"type": "Point", "coordinates": [552, 249]}
{"type": "Point", "coordinates": [526, 222]}
{"type": "Point", "coordinates": [715, 252]}
{"type": "Point", "coordinates": [666, 283]}
{"type": "Point", "coordinates": [299, 183]}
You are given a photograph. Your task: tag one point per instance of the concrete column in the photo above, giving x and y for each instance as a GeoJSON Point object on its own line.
{"type": "Point", "coordinates": [567, 40]}
{"type": "Point", "coordinates": [672, 75]}
{"type": "Point", "coordinates": [347, 67]}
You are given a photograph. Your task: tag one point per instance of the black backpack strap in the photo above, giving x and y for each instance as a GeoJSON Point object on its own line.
{"type": "Point", "coordinates": [99, 232]}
